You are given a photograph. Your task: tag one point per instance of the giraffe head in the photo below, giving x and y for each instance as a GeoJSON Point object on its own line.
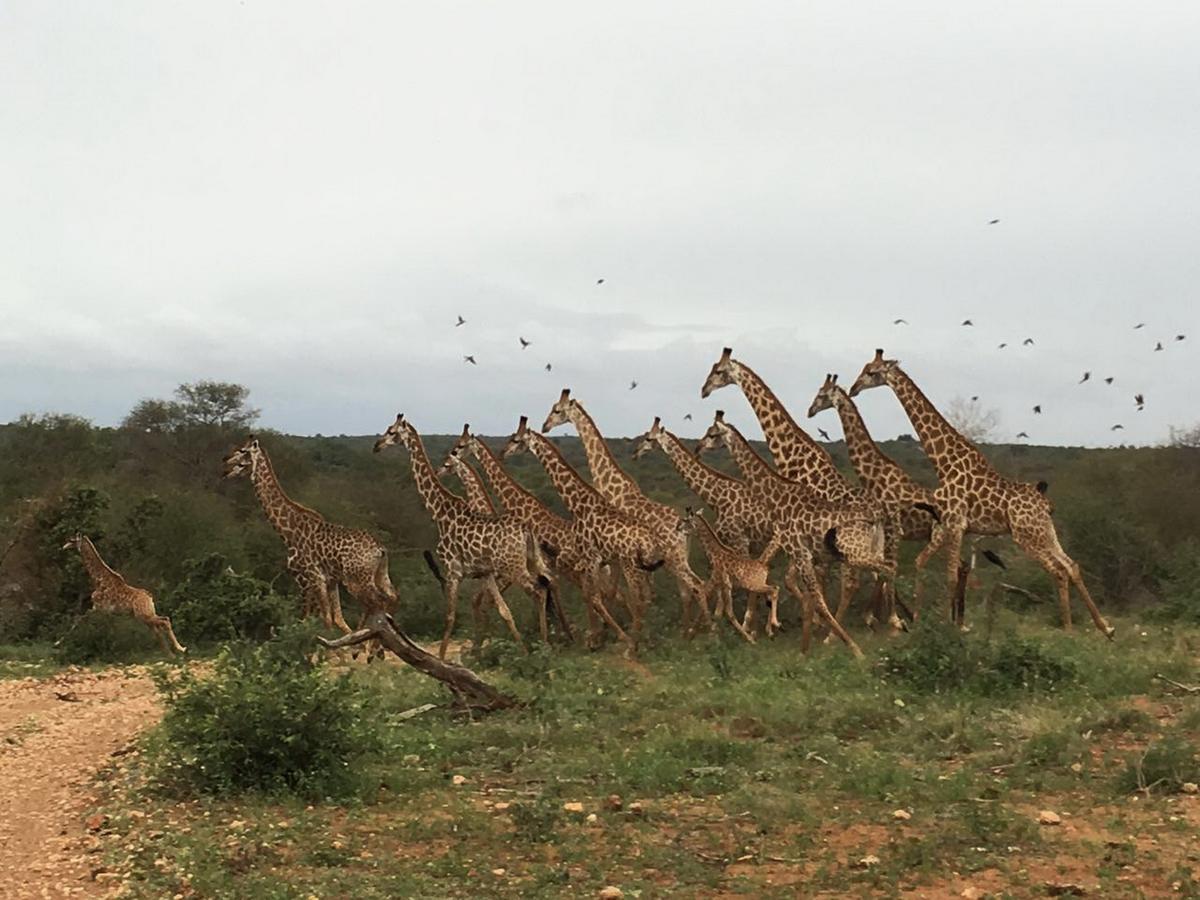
{"type": "Point", "coordinates": [242, 459]}
{"type": "Point", "coordinates": [827, 397]}
{"type": "Point", "coordinates": [874, 374]}
{"type": "Point", "coordinates": [688, 521]}
{"type": "Point", "coordinates": [560, 412]}
{"type": "Point", "coordinates": [650, 439]}
{"type": "Point", "coordinates": [74, 542]}
{"type": "Point", "coordinates": [399, 432]}
{"type": "Point", "coordinates": [717, 435]}
{"type": "Point", "coordinates": [519, 441]}
{"type": "Point", "coordinates": [458, 453]}
{"type": "Point", "coordinates": [722, 374]}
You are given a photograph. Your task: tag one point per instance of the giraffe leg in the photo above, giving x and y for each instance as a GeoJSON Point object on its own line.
{"type": "Point", "coordinates": [164, 623]}
{"type": "Point", "coordinates": [333, 597]}
{"type": "Point", "coordinates": [312, 589]}
{"type": "Point", "coordinates": [1046, 549]}
{"type": "Point", "coordinates": [954, 541]}
{"type": "Point", "coordinates": [772, 594]}
{"type": "Point", "coordinates": [802, 597]}
{"type": "Point", "coordinates": [727, 590]}
{"type": "Point", "coordinates": [937, 540]}
{"type": "Point", "coordinates": [452, 582]}
{"type": "Point", "coordinates": [156, 627]}
{"type": "Point", "coordinates": [847, 585]}
{"type": "Point", "coordinates": [808, 577]}
{"type": "Point", "coordinates": [505, 613]}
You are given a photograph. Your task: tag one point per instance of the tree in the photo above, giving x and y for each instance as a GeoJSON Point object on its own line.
{"type": "Point", "coordinates": [973, 422]}
{"type": "Point", "coordinates": [1185, 437]}
{"type": "Point", "coordinates": [212, 404]}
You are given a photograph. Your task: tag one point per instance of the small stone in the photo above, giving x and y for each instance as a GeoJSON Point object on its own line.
{"type": "Point", "coordinates": [636, 808]}
{"type": "Point", "coordinates": [1065, 889]}
{"type": "Point", "coordinates": [1076, 767]}
{"type": "Point", "coordinates": [592, 819]}
{"type": "Point", "coordinates": [613, 802]}
{"type": "Point", "coordinates": [972, 893]}
{"type": "Point", "coordinates": [412, 759]}
{"type": "Point", "coordinates": [610, 892]}
{"type": "Point", "coordinates": [458, 779]}
{"type": "Point", "coordinates": [498, 872]}
{"type": "Point", "coordinates": [337, 845]}
{"type": "Point", "coordinates": [573, 806]}
{"type": "Point", "coordinates": [1046, 817]}
{"type": "Point", "coordinates": [237, 823]}
{"type": "Point", "coordinates": [867, 861]}
{"type": "Point", "coordinates": [96, 822]}
{"type": "Point", "coordinates": [502, 806]}
{"type": "Point", "coordinates": [902, 815]}
{"type": "Point", "coordinates": [1190, 787]}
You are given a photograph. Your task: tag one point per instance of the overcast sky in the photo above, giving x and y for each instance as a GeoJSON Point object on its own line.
{"type": "Point", "coordinates": [302, 197]}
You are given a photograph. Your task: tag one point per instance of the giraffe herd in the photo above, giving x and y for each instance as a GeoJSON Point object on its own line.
{"type": "Point", "coordinates": [797, 504]}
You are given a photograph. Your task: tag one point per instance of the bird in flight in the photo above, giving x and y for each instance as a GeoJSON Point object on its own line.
{"type": "Point", "coordinates": [1027, 342]}
{"type": "Point", "coordinates": [825, 434]}
{"type": "Point", "coordinates": [994, 558]}
{"type": "Point", "coordinates": [1139, 325]}
{"type": "Point", "coordinates": [1108, 380]}
{"type": "Point", "coordinates": [1002, 346]}
{"type": "Point", "coordinates": [548, 367]}
{"type": "Point", "coordinates": [993, 221]}
{"type": "Point", "coordinates": [974, 398]}
{"type": "Point", "coordinates": [1117, 427]}
{"type": "Point", "coordinates": [599, 281]}
{"type": "Point", "coordinates": [968, 322]}
{"type": "Point", "coordinates": [900, 322]}
{"type": "Point", "coordinates": [1022, 434]}
{"type": "Point", "coordinates": [687, 417]}
{"type": "Point", "coordinates": [1086, 376]}
{"type": "Point", "coordinates": [461, 321]}
{"type": "Point", "coordinates": [1158, 346]}
{"type": "Point", "coordinates": [524, 343]}
{"type": "Point", "coordinates": [632, 385]}
{"type": "Point", "coordinates": [1140, 401]}
{"type": "Point", "coordinates": [1037, 410]}
{"type": "Point", "coordinates": [1180, 337]}
{"type": "Point", "coordinates": [470, 359]}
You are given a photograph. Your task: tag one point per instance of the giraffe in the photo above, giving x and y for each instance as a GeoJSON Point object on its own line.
{"type": "Point", "coordinates": [479, 501]}
{"type": "Point", "coordinates": [729, 567]}
{"type": "Point", "coordinates": [554, 534]}
{"type": "Point", "coordinates": [911, 504]}
{"type": "Point", "coordinates": [799, 458]}
{"type": "Point", "coordinates": [741, 520]}
{"type": "Point", "coordinates": [112, 593]}
{"type": "Point", "coordinates": [973, 496]}
{"type": "Point", "coordinates": [610, 535]}
{"type": "Point", "coordinates": [849, 531]}
{"type": "Point", "coordinates": [619, 489]}
{"type": "Point", "coordinates": [321, 555]}
{"type": "Point", "coordinates": [471, 545]}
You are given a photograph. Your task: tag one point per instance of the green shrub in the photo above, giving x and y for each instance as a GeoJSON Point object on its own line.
{"type": "Point", "coordinates": [105, 637]}
{"type": "Point", "coordinates": [268, 718]}
{"type": "Point", "coordinates": [1181, 585]}
{"type": "Point", "coordinates": [1165, 766]}
{"type": "Point", "coordinates": [935, 658]}
{"type": "Point", "coordinates": [214, 604]}
{"type": "Point", "coordinates": [1017, 663]}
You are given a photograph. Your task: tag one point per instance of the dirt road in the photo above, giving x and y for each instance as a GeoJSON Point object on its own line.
{"type": "Point", "coordinates": [55, 733]}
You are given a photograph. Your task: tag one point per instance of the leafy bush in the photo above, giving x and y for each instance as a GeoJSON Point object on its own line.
{"type": "Point", "coordinates": [105, 637]}
{"type": "Point", "coordinates": [269, 718]}
{"type": "Point", "coordinates": [939, 658]}
{"type": "Point", "coordinates": [1165, 765]}
{"type": "Point", "coordinates": [214, 604]}
{"type": "Point", "coordinates": [1181, 585]}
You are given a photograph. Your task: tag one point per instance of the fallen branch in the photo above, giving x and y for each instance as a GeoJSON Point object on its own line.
{"type": "Point", "coordinates": [1028, 595]}
{"type": "Point", "coordinates": [468, 688]}
{"type": "Point", "coordinates": [1186, 688]}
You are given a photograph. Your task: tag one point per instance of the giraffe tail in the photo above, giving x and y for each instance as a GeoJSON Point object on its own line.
{"type": "Point", "coordinates": [648, 567]}
{"type": "Point", "coordinates": [831, 544]}
{"type": "Point", "coordinates": [433, 567]}
{"type": "Point", "coordinates": [931, 509]}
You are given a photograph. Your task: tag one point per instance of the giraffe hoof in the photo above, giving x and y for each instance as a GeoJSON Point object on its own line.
{"type": "Point", "coordinates": [1109, 631]}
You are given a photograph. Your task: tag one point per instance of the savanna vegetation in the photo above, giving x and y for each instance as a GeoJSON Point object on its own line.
{"type": "Point", "coordinates": [704, 767]}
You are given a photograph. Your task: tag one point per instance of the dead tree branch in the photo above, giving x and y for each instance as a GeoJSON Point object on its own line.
{"type": "Point", "coordinates": [468, 688]}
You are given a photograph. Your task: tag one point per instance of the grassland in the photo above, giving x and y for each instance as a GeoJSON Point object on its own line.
{"type": "Point", "coordinates": [715, 768]}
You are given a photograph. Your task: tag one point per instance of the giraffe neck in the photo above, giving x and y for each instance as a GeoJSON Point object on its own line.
{"type": "Point", "coordinates": [477, 496]}
{"type": "Point", "coordinates": [608, 477]}
{"type": "Point", "coordinates": [512, 494]}
{"type": "Point", "coordinates": [706, 482]}
{"type": "Point", "coordinates": [708, 538]}
{"type": "Point", "coordinates": [946, 448]}
{"type": "Point", "coordinates": [284, 514]}
{"type": "Point", "coordinates": [868, 460]}
{"type": "Point", "coordinates": [579, 496]}
{"type": "Point", "coordinates": [98, 570]}
{"type": "Point", "coordinates": [439, 502]}
{"type": "Point", "coordinates": [797, 456]}
{"type": "Point", "coordinates": [753, 466]}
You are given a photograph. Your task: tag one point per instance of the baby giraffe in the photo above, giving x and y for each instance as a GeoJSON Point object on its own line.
{"type": "Point", "coordinates": [112, 593]}
{"type": "Point", "coordinates": [729, 569]}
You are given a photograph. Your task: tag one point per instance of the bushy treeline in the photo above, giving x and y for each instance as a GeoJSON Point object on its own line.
{"type": "Point", "coordinates": [151, 495]}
